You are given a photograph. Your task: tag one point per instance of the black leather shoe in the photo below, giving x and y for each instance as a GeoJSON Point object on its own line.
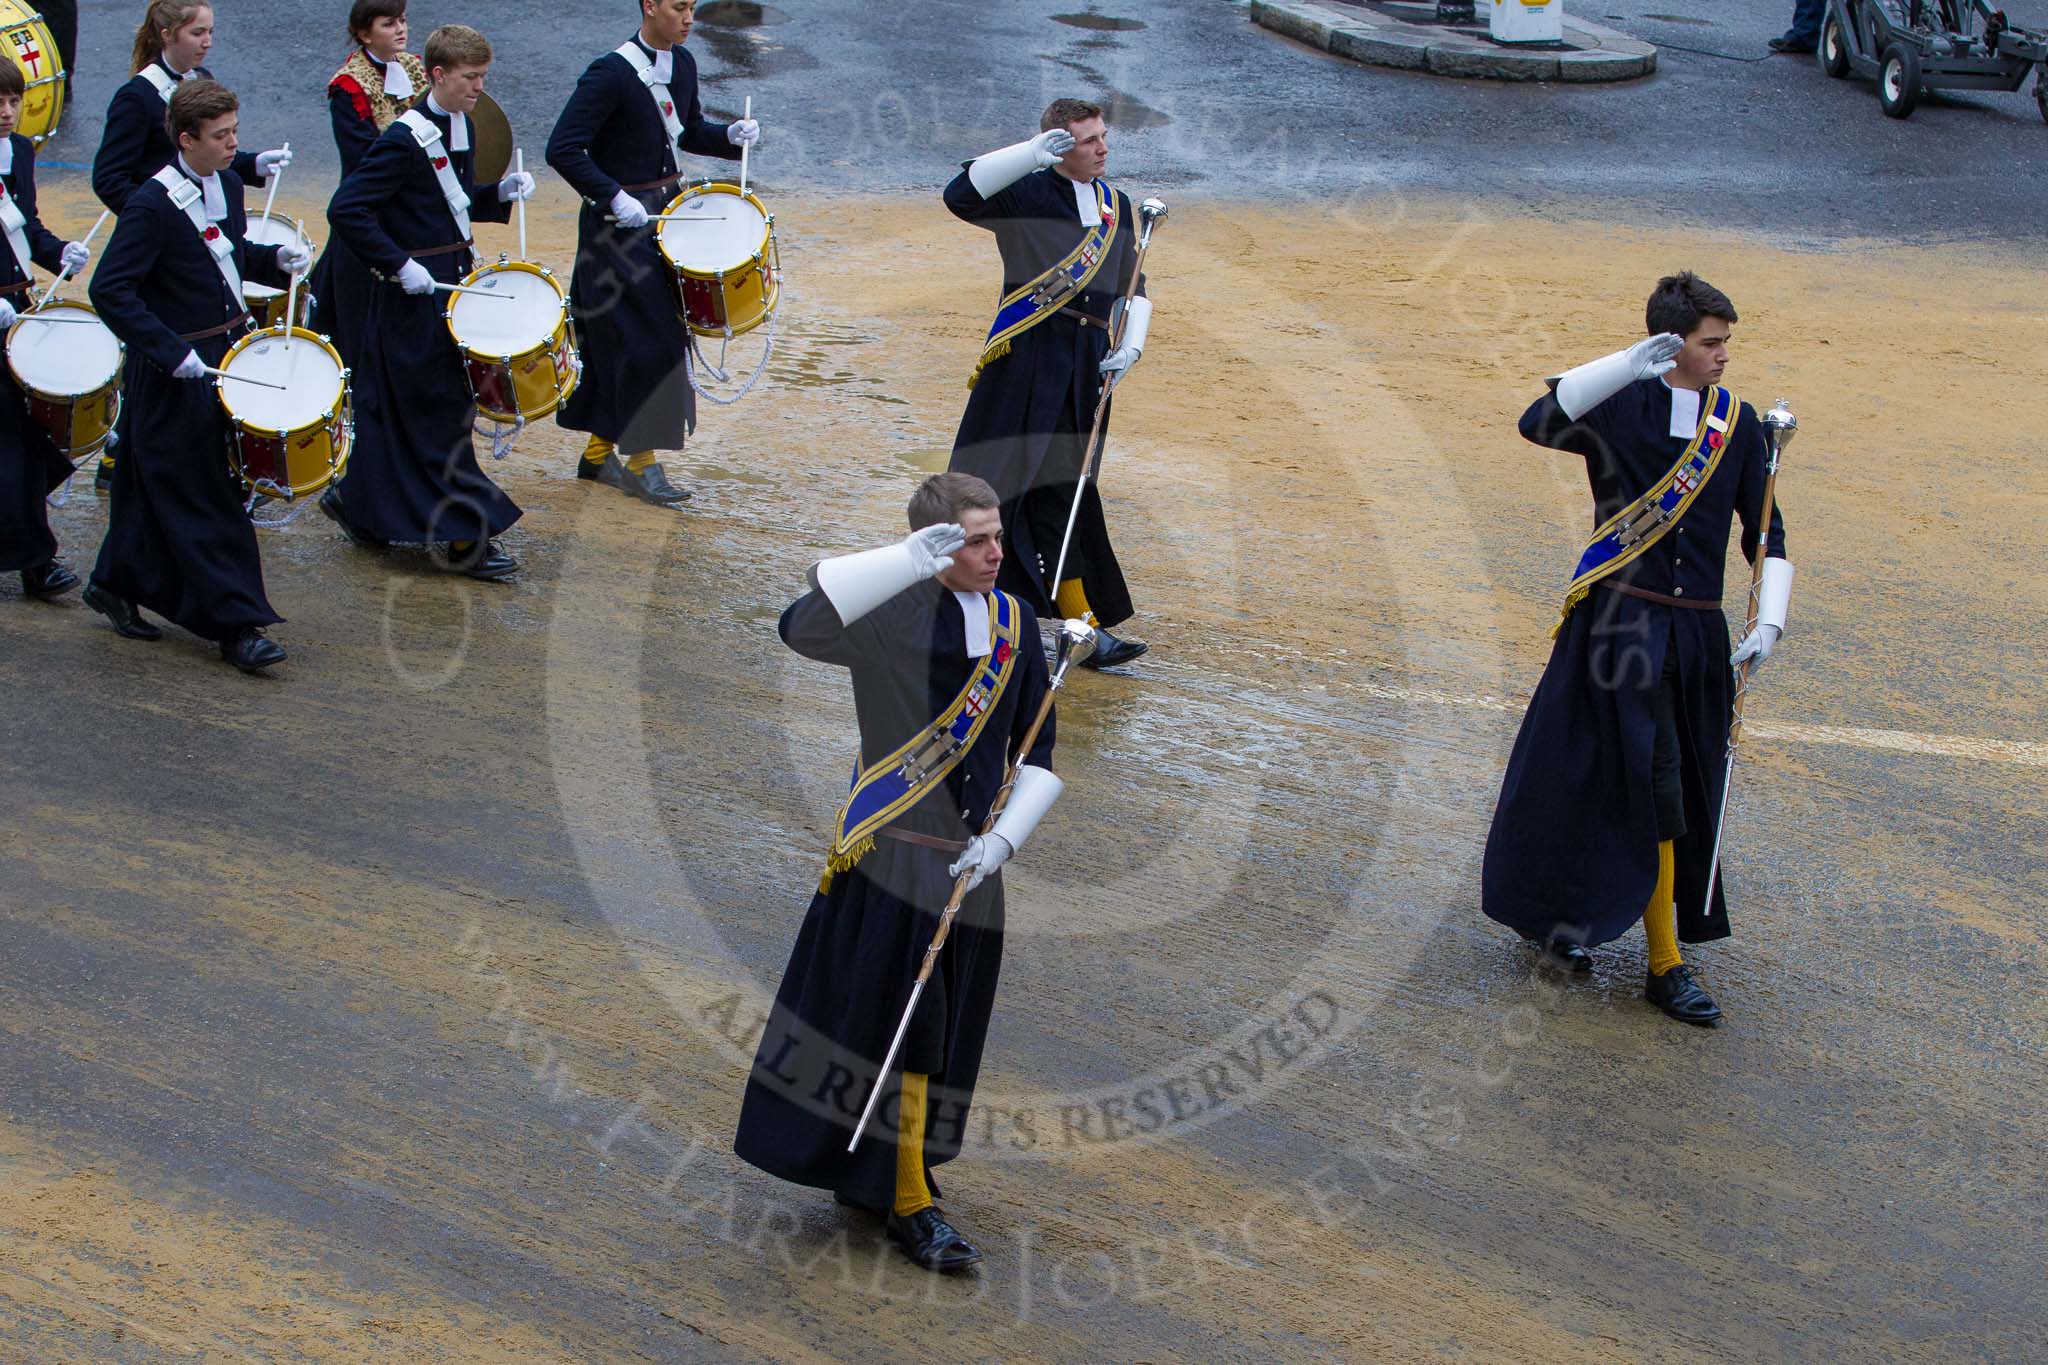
{"type": "Point", "coordinates": [651, 485]}
{"type": "Point", "coordinates": [927, 1238]}
{"type": "Point", "coordinates": [1111, 651]}
{"type": "Point", "coordinates": [483, 560]}
{"type": "Point", "coordinates": [1564, 955]}
{"type": "Point", "coordinates": [1790, 45]}
{"type": "Point", "coordinates": [1678, 995]}
{"type": "Point", "coordinates": [103, 481]}
{"type": "Point", "coordinates": [251, 652]}
{"type": "Point", "coordinates": [609, 471]}
{"type": "Point", "coordinates": [127, 620]}
{"type": "Point", "coordinates": [331, 508]}
{"type": "Point", "coordinates": [48, 580]}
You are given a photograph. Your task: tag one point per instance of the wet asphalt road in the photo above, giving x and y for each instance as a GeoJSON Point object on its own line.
{"type": "Point", "coordinates": [879, 97]}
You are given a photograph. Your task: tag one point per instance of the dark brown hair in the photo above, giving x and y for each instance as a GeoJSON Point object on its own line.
{"type": "Point", "coordinates": [193, 105]}
{"type": "Point", "coordinates": [1679, 302]}
{"type": "Point", "coordinates": [12, 82]}
{"type": "Point", "coordinates": [1065, 113]}
{"type": "Point", "coordinates": [943, 497]}
{"type": "Point", "coordinates": [363, 13]}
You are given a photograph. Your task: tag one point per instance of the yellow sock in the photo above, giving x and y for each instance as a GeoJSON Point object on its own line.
{"type": "Point", "coordinates": [639, 461]}
{"type": "Point", "coordinates": [912, 1195]}
{"type": "Point", "coordinates": [595, 449]}
{"type": "Point", "coordinates": [1073, 602]}
{"type": "Point", "coordinates": [1660, 919]}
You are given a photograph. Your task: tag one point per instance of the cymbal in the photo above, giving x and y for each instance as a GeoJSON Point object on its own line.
{"type": "Point", "coordinates": [491, 136]}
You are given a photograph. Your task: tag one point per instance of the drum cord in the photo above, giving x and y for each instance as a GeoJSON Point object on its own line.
{"type": "Point", "coordinates": [501, 444]}
{"type": "Point", "coordinates": [298, 509]}
{"type": "Point", "coordinates": [696, 355]}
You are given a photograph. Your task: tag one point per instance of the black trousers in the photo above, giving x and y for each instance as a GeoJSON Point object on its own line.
{"type": "Point", "coordinates": [1665, 758]}
{"type": "Point", "coordinates": [1048, 503]}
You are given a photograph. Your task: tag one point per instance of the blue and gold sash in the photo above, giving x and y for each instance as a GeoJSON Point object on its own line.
{"type": "Point", "coordinates": [1033, 302]}
{"type": "Point", "coordinates": [898, 781]}
{"type": "Point", "coordinates": [1623, 538]}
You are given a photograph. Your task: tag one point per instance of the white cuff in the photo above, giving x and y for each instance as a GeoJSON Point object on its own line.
{"type": "Point", "coordinates": [996, 171]}
{"type": "Point", "coordinates": [1030, 798]}
{"type": "Point", "coordinates": [858, 583]}
{"type": "Point", "coordinates": [1137, 323]}
{"type": "Point", "coordinates": [1581, 390]}
{"type": "Point", "coordinates": [1774, 594]}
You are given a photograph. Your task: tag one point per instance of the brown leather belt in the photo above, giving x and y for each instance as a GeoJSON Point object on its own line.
{"type": "Point", "coordinates": [1082, 318]}
{"type": "Point", "coordinates": [666, 182]}
{"type": "Point", "coordinates": [15, 288]}
{"type": "Point", "coordinates": [1690, 603]}
{"type": "Point", "coordinates": [440, 250]}
{"type": "Point", "coordinates": [230, 325]}
{"type": "Point", "coordinates": [925, 840]}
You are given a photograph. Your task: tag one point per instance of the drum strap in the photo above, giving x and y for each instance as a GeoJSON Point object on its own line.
{"type": "Point", "coordinates": [664, 102]}
{"type": "Point", "coordinates": [162, 81]}
{"type": "Point", "coordinates": [15, 224]}
{"type": "Point", "coordinates": [187, 198]}
{"type": "Point", "coordinates": [429, 138]}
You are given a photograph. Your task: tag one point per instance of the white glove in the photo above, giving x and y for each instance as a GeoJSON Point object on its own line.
{"type": "Point", "coordinates": [414, 279]}
{"type": "Point", "coordinates": [994, 172]}
{"type": "Point", "coordinates": [294, 259]}
{"type": "Point", "coordinates": [270, 163]}
{"type": "Point", "coordinates": [1137, 326]}
{"type": "Point", "coordinates": [74, 257]}
{"type": "Point", "coordinates": [627, 211]}
{"type": "Point", "coordinates": [743, 132]}
{"type": "Point", "coordinates": [1755, 648]}
{"type": "Point", "coordinates": [1581, 390]}
{"type": "Point", "coordinates": [985, 853]}
{"type": "Point", "coordinates": [191, 367]}
{"type": "Point", "coordinates": [514, 187]}
{"type": "Point", "coordinates": [7, 314]}
{"type": "Point", "coordinates": [858, 583]}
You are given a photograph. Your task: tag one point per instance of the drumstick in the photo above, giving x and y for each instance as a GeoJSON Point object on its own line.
{"type": "Point", "coordinates": [745, 147]}
{"type": "Point", "coordinates": [467, 289]}
{"type": "Point", "coordinates": [245, 379]}
{"type": "Point", "coordinates": [291, 295]}
{"type": "Point", "coordinates": [63, 275]}
{"type": "Point", "coordinates": [275, 176]}
{"type": "Point", "coordinates": [519, 168]}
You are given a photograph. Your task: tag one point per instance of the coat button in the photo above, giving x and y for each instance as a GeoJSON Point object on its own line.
{"type": "Point", "coordinates": [1678, 592]}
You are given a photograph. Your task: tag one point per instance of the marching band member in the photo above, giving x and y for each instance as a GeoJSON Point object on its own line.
{"type": "Point", "coordinates": [920, 625]}
{"type": "Point", "coordinates": [170, 43]}
{"type": "Point", "coordinates": [170, 286]}
{"type": "Point", "coordinates": [1069, 246]}
{"type": "Point", "coordinates": [30, 467]}
{"type": "Point", "coordinates": [1607, 810]}
{"type": "Point", "coordinates": [405, 212]}
{"type": "Point", "coordinates": [379, 81]}
{"type": "Point", "coordinates": [618, 143]}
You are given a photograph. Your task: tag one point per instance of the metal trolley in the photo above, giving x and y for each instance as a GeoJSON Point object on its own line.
{"type": "Point", "coordinates": [1913, 46]}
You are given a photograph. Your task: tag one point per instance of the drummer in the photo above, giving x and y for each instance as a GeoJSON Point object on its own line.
{"type": "Point", "coordinates": [379, 81]}
{"type": "Point", "coordinates": [178, 540]}
{"type": "Point", "coordinates": [170, 44]}
{"type": "Point", "coordinates": [30, 467]}
{"type": "Point", "coordinates": [617, 143]}
{"type": "Point", "coordinates": [405, 212]}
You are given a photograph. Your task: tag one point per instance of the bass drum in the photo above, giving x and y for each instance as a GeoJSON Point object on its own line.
{"type": "Point", "coordinates": [27, 39]}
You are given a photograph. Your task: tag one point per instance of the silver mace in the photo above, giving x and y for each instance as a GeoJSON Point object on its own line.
{"type": "Point", "coordinates": [1780, 426]}
{"type": "Point", "coordinates": [1151, 214]}
{"type": "Point", "coordinates": [1077, 642]}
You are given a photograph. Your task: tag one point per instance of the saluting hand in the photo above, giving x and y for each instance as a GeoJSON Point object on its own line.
{"type": "Point", "coordinates": [1655, 355]}
{"type": "Point", "coordinates": [191, 367]}
{"type": "Point", "coordinates": [1049, 146]}
{"type": "Point", "coordinates": [271, 162]}
{"type": "Point", "coordinates": [74, 257]}
{"type": "Point", "coordinates": [627, 211]}
{"type": "Point", "coordinates": [931, 550]}
{"type": "Point", "coordinates": [743, 132]}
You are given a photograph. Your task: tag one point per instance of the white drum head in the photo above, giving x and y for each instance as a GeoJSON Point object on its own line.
{"type": "Point", "coordinates": [71, 357]}
{"type": "Point", "coordinates": [695, 242]}
{"type": "Point", "coordinates": [512, 312]}
{"type": "Point", "coordinates": [310, 372]}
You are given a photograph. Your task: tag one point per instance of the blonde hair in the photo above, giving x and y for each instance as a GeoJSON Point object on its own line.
{"type": "Point", "coordinates": [161, 15]}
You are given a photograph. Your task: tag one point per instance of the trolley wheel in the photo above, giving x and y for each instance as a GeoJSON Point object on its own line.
{"type": "Point", "coordinates": [1834, 53]}
{"type": "Point", "coordinates": [1898, 80]}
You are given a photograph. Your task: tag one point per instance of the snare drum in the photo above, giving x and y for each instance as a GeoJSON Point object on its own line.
{"type": "Point", "coordinates": [293, 441]}
{"type": "Point", "coordinates": [266, 304]}
{"type": "Point", "coordinates": [69, 367]}
{"type": "Point", "coordinates": [513, 332]}
{"type": "Point", "coordinates": [720, 247]}
{"type": "Point", "coordinates": [26, 38]}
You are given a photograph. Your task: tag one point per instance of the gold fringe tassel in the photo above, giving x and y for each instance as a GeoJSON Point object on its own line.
{"type": "Point", "coordinates": [995, 352]}
{"type": "Point", "coordinates": [1572, 599]}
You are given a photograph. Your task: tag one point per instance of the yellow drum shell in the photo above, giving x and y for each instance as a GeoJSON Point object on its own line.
{"type": "Point", "coordinates": [70, 375]}
{"type": "Point", "coordinates": [513, 333]}
{"type": "Point", "coordinates": [27, 39]}
{"type": "Point", "coordinates": [724, 266]}
{"type": "Point", "coordinates": [293, 443]}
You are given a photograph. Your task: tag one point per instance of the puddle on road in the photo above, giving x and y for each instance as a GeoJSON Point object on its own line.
{"type": "Point", "coordinates": [732, 30]}
{"type": "Point", "coordinates": [1101, 23]}
{"type": "Point", "coordinates": [1120, 110]}
{"type": "Point", "coordinates": [740, 14]}
{"type": "Point", "coordinates": [931, 459]}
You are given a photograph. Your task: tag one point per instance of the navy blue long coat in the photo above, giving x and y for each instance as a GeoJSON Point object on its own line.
{"type": "Point", "coordinates": [30, 467]}
{"type": "Point", "coordinates": [1573, 848]}
{"type": "Point", "coordinates": [135, 145]}
{"type": "Point", "coordinates": [634, 391]}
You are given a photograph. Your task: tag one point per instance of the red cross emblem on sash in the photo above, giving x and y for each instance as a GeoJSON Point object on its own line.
{"type": "Point", "coordinates": [977, 702]}
{"type": "Point", "coordinates": [1684, 479]}
{"type": "Point", "coordinates": [31, 55]}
